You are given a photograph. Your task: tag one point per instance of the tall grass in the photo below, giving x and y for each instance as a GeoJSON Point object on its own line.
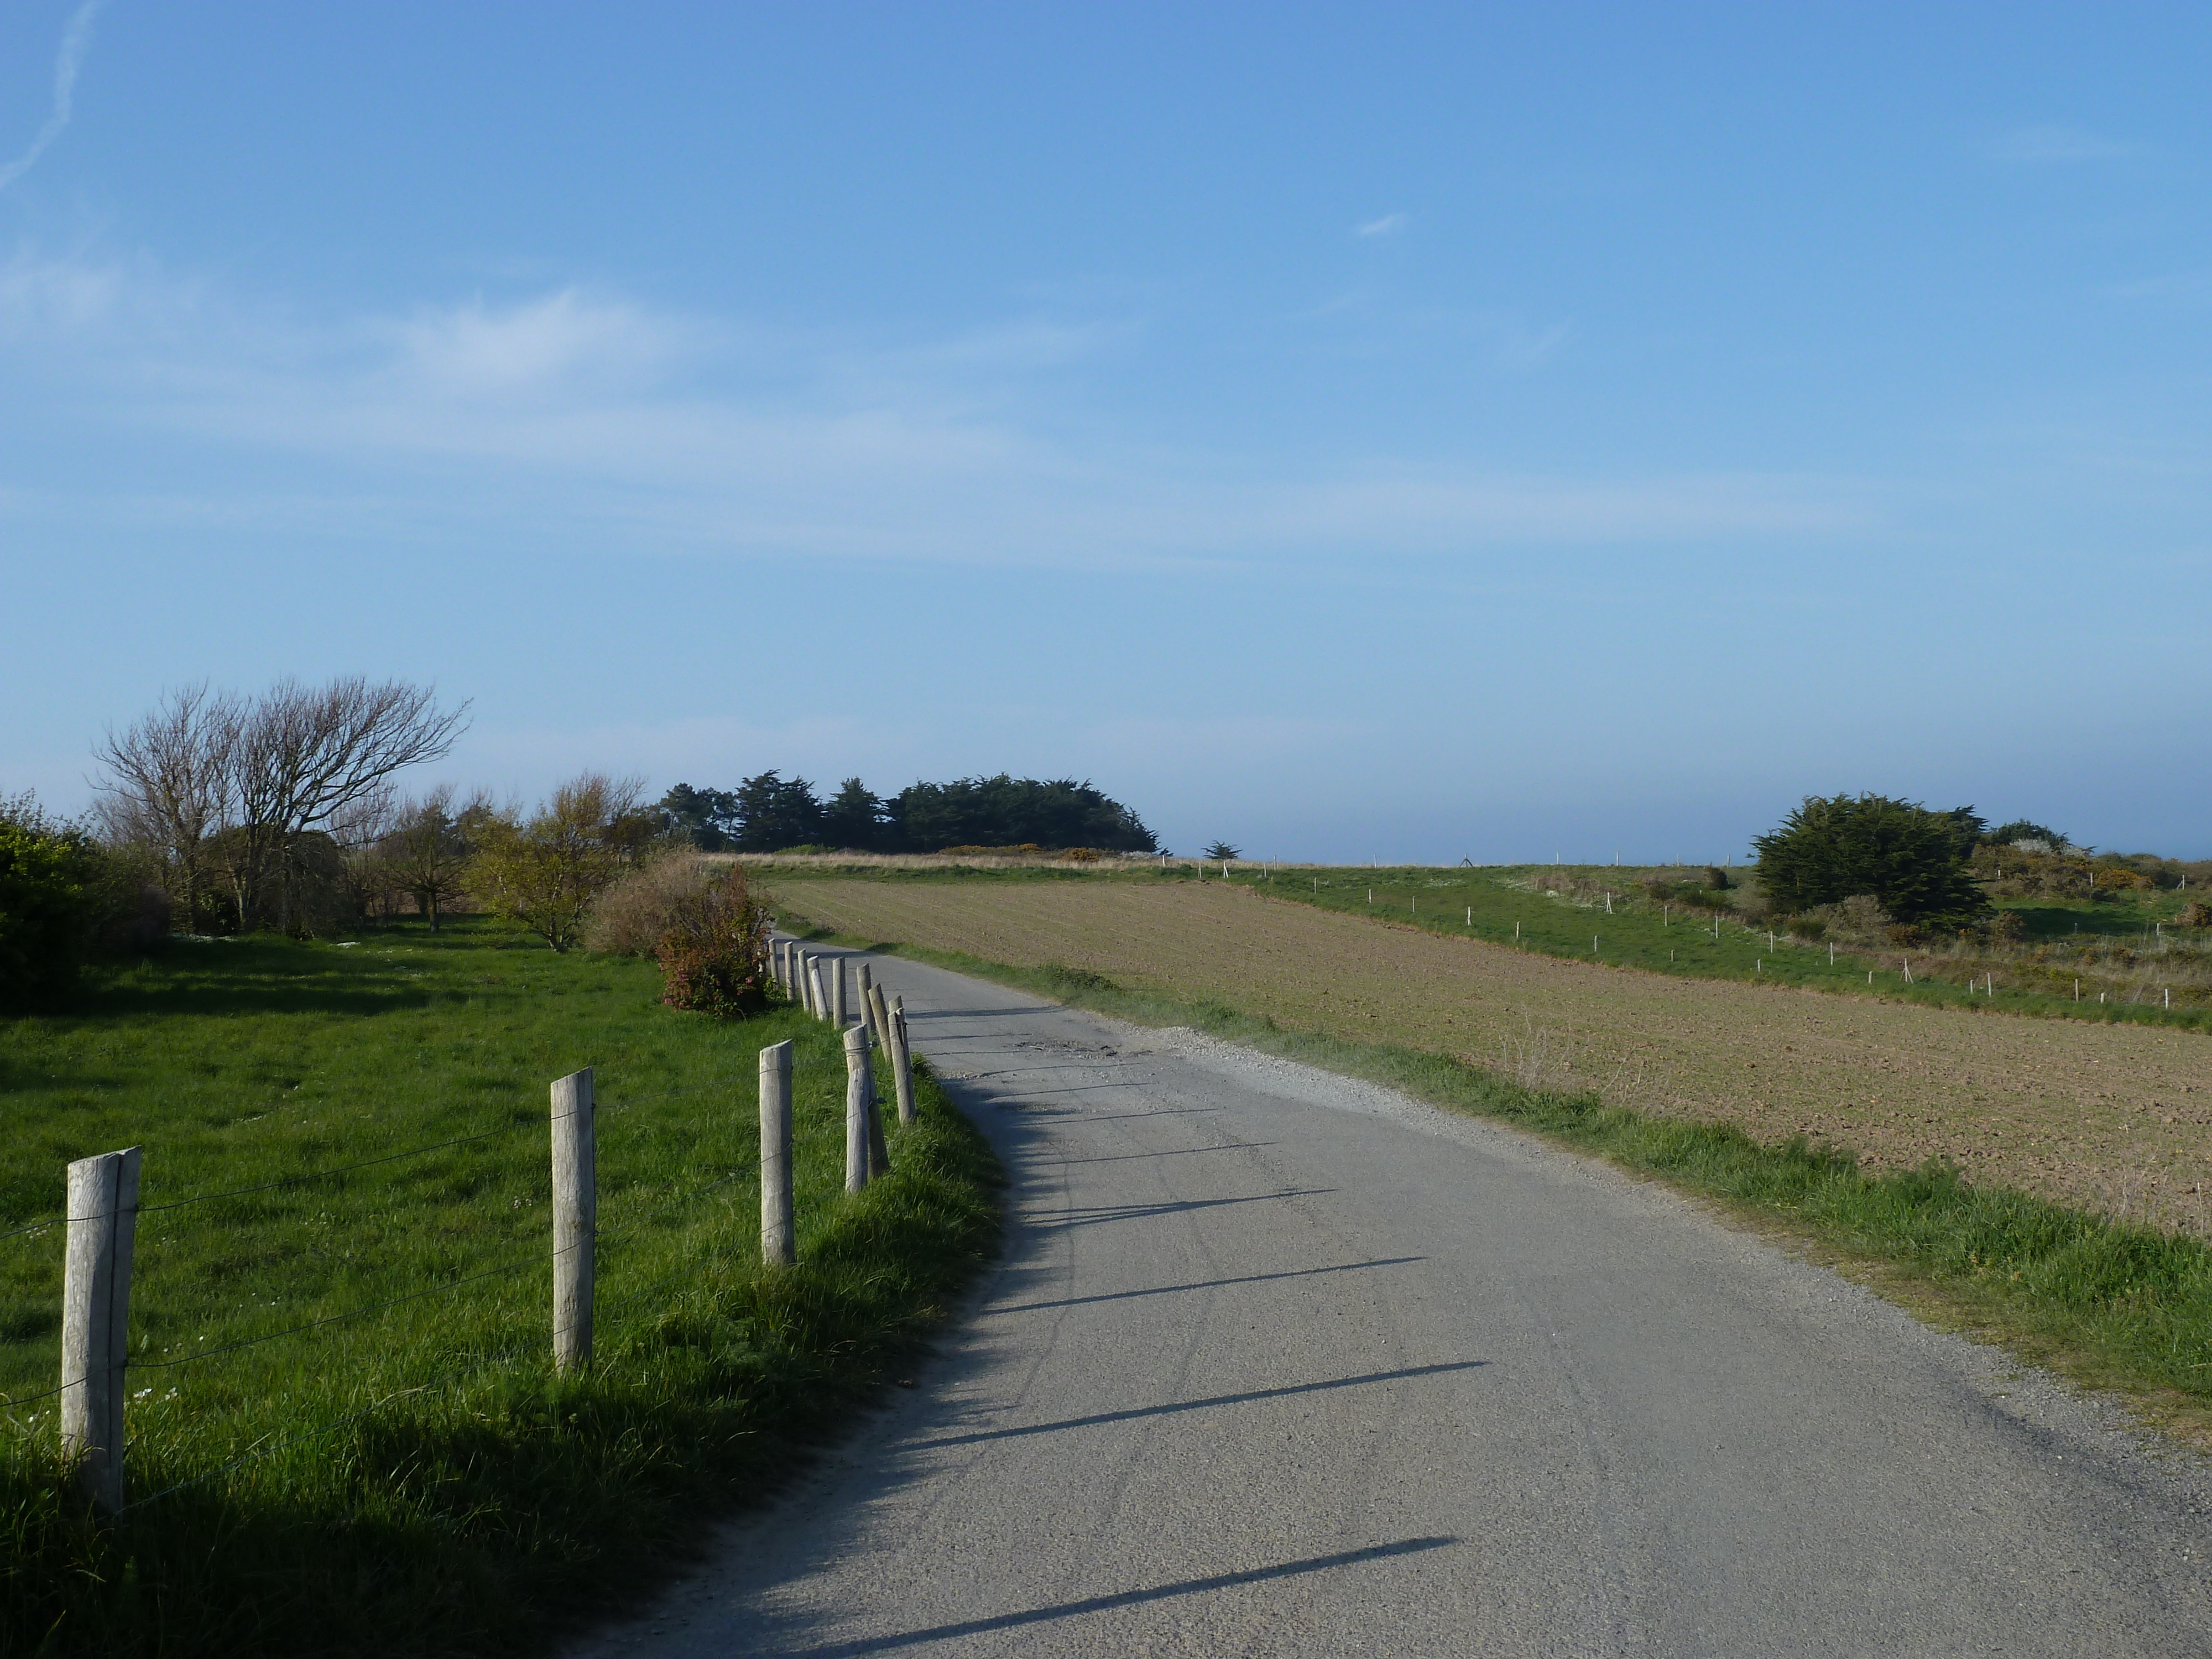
{"type": "Point", "coordinates": [414, 1478]}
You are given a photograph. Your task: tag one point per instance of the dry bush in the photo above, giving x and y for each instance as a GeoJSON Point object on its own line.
{"type": "Point", "coordinates": [713, 953]}
{"type": "Point", "coordinates": [631, 917]}
{"type": "Point", "coordinates": [1859, 920]}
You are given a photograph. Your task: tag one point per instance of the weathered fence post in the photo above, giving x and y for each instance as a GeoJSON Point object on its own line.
{"type": "Point", "coordinates": [778, 1238]}
{"type": "Point", "coordinates": [837, 1001]}
{"type": "Point", "coordinates": [576, 1218]}
{"type": "Point", "coordinates": [901, 1061]}
{"type": "Point", "coordinates": [879, 1152]}
{"type": "Point", "coordinates": [802, 992]}
{"type": "Point", "coordinates": [818, 1000]}
{"type": "Point", "coordinates": [777, 951]}
{"type": "Point", "coordinates": [856, 1108]}
{"type": "Point", "coordinates": [103, 1224]}
{"type": "Point", "coordinates": [879, 1015]}
{"type": "Point", "coordinates": [864, 982]}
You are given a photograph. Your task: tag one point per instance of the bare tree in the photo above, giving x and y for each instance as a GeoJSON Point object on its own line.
{"type": "Point", "coordinates": [303, 755]}
{"type": "Point", "coordinates": [431, 844]}
{"type": "Point", "coordinates": [169, 785]}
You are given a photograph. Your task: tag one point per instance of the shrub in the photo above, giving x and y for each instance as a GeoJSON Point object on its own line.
{"type": "Point", "coordinates": [50, 876]}
{"type": "Point", "coordinates": [1859, 920]}
{"type": "Point", "coordinates": [634, 914]}
{"type": "Point", "coordinates": [1717, 878]}
{"type": "Point", "coordinates": [545, 872]}
{"type": "Point", "coordinates": [713, 952]}
{"type": "Point", "coordinates": [1910, 859]}
{"type": "Point", "coordinates": [1694, 893]}
{"type": "Point", "coordinates": [1082, 855]}
{"type": "Point", "coordinates": [2196, 914]}
{"type": "Point", "coordinates": [2005, 927]}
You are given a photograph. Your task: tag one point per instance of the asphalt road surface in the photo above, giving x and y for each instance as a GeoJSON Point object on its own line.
{"type": "Point", "coordinates": [1279, 1363]}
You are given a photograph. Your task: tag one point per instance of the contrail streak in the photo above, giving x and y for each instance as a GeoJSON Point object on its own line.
{"type": "Point", "coordinates": [76, 41]}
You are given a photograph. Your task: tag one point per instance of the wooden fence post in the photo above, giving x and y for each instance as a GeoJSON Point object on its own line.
{"type": "Point", "coordinates": [901, 1061]}
{"type": "Point", "coordinates": [879, 1015]}
{"type": "Point", "coordinates": [777, 951]}
{"type": "Point", "coordinates": [864, 982]}
{"type": "Point", "coordinates": [801, 971]}
{"type": "Point", "coordinates": [779, 1236]}
{"type": "Point", "coordinates": [576, 1218]}
{"type": "Point", "coordinates": [856, 1108]}
{"type": "Point", "coordinates": [103, 1226]}
{"type": "Point", "coordinates": [879, 1152]}
{"type": "Point", "coordinates": [817, 998]}
{"type": "Point", "coordinates": [837, 1000]}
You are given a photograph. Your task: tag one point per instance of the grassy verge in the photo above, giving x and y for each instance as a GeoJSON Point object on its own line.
{"type": "Point", "coordinates": [413, 1477]}
{"type": "Point", "coordinates": [2116, 1307]}
{"type": "Point", "coordinates": [1500, 907]}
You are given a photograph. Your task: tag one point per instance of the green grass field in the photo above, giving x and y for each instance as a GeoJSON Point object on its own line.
{"type": "Point", "coordinates": [1639, 932]}
{"type": "Point", "coordinates": [410, 1476]}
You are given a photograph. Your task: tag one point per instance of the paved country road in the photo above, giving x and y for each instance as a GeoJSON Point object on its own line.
{"type": "Point", "coordinates": [1276, 1362]}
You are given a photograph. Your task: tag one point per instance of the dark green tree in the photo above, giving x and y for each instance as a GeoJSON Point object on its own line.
{"type": "Point", "coordinates": [2020, 829]}
{"type": "Point", "coordinates": [852, 818]}
{"type": "Point", "coordinates": [707, 816]}
{"type": "Point", "coordinates": [1007, 811]}
{"type": "Point", "coordinates": [773, 812]}
{"type": "Point", "coordinates": [1837, 846]}
{"type": "Point", "coordinates": [50, 901]}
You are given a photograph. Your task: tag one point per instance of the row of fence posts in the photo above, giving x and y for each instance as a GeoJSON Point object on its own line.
{"type": "Point", "coordinates": [103, 1208]}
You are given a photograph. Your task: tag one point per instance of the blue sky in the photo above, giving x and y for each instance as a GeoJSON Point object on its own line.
{"type": "Point", "coordinates": [1451, 431]}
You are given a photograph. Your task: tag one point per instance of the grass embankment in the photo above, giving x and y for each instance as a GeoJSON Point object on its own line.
{"type": "Point", "coordinates": [2112, 1305]}
{"type": "Point", "coordinates": [1605, 915]}
{"type": "Point", "coordinates": [414, 1478]}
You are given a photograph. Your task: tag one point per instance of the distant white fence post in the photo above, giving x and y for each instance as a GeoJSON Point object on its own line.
{"type": "Point", "coordinates": [779, 1232]}
{"type": "Point", "coordinates": [856, 1108]}
{"type": "Point", "coordinates": [901, 1061]}
{"type": "Point", "coordinates": [103, 1226]}
{"type": "Point", "coordinates": [576, 1218]}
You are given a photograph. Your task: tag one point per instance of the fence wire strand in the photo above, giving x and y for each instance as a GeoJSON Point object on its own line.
{"type": "Point", "coordinates": [606, 1312]}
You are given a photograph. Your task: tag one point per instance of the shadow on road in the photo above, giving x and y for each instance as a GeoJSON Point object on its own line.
{"type": "Point", "coordinates": [1091, 1217]}
{"type": "Point", "coordinates": [1202, 1285]}
{"type": "Point", "coordinates": [1245, 1399]}
{"type": "Point", "coordinates": [1129, 1598]}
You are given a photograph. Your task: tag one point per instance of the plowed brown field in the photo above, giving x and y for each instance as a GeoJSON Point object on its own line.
{"type": "Point", "coordinates": [2113, 1118]}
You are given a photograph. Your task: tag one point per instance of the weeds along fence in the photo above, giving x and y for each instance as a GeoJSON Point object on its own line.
{"type": "Point", "coordinates": [120, 1388]}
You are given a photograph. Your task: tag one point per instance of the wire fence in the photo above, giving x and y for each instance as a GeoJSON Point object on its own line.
{"type": "Point", "coordinates": [94, 1340]}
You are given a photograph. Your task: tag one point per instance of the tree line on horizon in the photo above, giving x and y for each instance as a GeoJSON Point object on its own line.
{"type": "Point", "coordinates": [771, 813]}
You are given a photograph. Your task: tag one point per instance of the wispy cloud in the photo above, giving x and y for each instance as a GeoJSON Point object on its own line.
{"type": "Point", "coordinates": [2053, 142]}
{"type": "Point", "coordinates": [76, 41]}
{"type": "Point", "coordinates": [1388, 225]}
{"type": "Point", "coordinates": [2179, 288]}
{"type": "Point", "coordinates": [574, 415]}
